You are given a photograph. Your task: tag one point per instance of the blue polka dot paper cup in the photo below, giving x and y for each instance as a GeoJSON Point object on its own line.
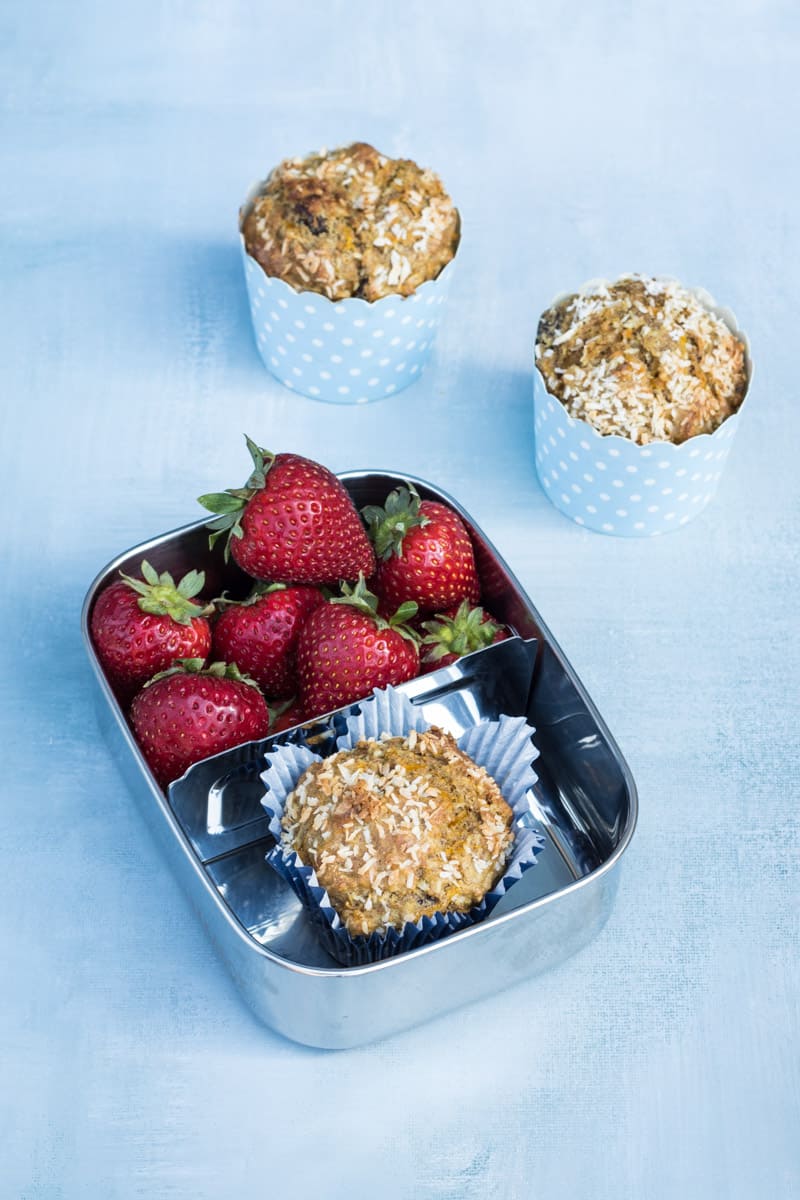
{"type": "Point", "coordinates": [612, 485]}
{"type": "Point", "coordinates": [347, 351]}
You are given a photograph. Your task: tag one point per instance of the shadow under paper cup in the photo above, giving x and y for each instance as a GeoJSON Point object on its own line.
{"type": "Point", "coordinates": [347, 351]}
{"type": "Point", "coordinates": [611, 484]}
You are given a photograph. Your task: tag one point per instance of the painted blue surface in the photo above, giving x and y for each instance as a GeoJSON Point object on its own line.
{"type": "Point", "coordinates": [578, 141]}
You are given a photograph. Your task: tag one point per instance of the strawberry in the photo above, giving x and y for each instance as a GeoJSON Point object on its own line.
{"type": "Point", "coordinates": [286, 716]}
{"type": "Point", "coordinates": [424, 550]}
{"type": "Point", "coordinates": [292, 522]}
{"type": "Point", "coordinates": [188, 713]}
{"type": "Point", "coordinates": [345, 650]}
{"type": "Point", "coordinates": [458, 631]}
{"type": "Point", "coordinates": [259, 634]}
{"type": "Point", "coordinates": [140, 626]}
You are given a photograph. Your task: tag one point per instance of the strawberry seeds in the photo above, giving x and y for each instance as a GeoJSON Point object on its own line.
{"type": "Point", "coordinates": [340, 603]}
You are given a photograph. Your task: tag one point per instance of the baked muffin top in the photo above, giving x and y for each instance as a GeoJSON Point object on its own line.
{"type": "Point", "coordinates": [399, 828]}
{"type": "Point", "coordinates": [641, 358]}
{"type": "Point", "coordinates": [352, 222]}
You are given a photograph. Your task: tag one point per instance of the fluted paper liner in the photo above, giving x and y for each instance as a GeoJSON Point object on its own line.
{"type": "Point", "coordinates": [504, 748]}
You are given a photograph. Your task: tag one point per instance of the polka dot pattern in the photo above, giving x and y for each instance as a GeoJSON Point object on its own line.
{"type": "Point", "coordinates": [613, 486]}
{"type": "Point", "coordinates": [348, 352]}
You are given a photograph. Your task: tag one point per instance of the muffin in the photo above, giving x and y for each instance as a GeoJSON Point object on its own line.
{"type": "Point", "coordinates": [399, 828]}
{"type": "Point", "coordinates": [643, 359]}
{"type": "Point", "coordinates": [398, 860]}
{"type": "Point", "coordinates": [352, 223]}
{"type": "Point", "coordinates": [638, 394]}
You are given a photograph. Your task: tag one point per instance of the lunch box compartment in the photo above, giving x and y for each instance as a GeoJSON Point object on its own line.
{"type": "Point", "coordinates": [213, 828]}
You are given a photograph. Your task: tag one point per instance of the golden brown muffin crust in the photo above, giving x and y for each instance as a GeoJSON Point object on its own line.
{"type": "Point", "coordinates": [352, 222]}
{"type": "Point", "coordinates": [642, 358]}
{"type": "Point", "coordinates": [398, 829]}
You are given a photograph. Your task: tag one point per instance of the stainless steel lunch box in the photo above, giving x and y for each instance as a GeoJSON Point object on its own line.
{"type": "Point", "coordinates": [214, 830]}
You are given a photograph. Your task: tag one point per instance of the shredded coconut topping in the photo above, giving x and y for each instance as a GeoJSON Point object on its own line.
{"type": "Point", "coordinates": [642, 358]}
{"type": "Point", "coordinates": [352, 223]}
{"type": "Point", "coordinates": [399, 828]}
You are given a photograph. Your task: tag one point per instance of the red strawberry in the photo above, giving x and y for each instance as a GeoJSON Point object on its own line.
{"type": "Point", "coordinates": [286, 717]}
{"type": "Point", "coordinates": [140, 626]}
{"type": "Point", "coordinates": [188, 713]}
{"type": "Point", "coordinates": [345, 650]}
{"type": "Point", "coordinates": [424, 551]}
{"type": "Point", "coordinates": [292, 522]}
{"type": "Point", "coordinates": [459, 631]}
{"type": "Point", "coordinates": [260, 633]}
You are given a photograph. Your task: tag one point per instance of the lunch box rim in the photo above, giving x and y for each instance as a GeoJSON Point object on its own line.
{"type": "Point", "coordinates": [199, 867]}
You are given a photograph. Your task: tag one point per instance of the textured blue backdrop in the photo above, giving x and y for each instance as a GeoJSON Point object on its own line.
{"type": "Point", "coordinates": [578, 140]}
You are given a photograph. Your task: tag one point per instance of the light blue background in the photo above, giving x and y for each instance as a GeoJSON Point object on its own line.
{"type": "Point", "coordinates": [579, 140]}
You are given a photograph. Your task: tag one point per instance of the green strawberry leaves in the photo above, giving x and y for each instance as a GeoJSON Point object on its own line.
{"type": "Point", "coordinates": [160, 596]}
{"type": "Point", "coordinates": [228, 522]}
{"type": "Point", "coordinates": [389, 525]}
{"type": "Point", "coordinates": [197, 666]}
{"type": "Point", "coordinates": [230, 504]}
{"type": "Point", "coordinates": [468, 630]}
{"type": "Point", "coordinates": [223, 602]}
{"type": "Point", "coordinates": [223, 502]}
{"type": "Point", "coordinates": [262, 461]}
{"type": "Point", "coordinates": [405, 612]}
{"type": "Point", "coordinates": [359, 596]}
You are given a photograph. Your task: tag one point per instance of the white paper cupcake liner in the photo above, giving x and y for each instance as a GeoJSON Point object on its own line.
{"type": "Point", "coordinates": [503, 748]}
{"type": "Point", "coordinates": [612, 485]}
{"type": "Point", "coordinates": [347, 351]}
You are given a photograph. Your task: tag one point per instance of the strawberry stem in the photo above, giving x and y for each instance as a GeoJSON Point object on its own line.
{"type": "Point", "coordinates": [468, 630]}
{"type": "Point", "coordinates": [160, 596]}
{"type": "Point", "coordinates": [230, 504]}
{"type": "Point", "coordinates": [389, 525]}
{"type": "Point", "coordinates": [225, 601]}
{"type": "Point", "coordinates": [359, 596]}
{"type": "Point", "coordinates": [197, 666]}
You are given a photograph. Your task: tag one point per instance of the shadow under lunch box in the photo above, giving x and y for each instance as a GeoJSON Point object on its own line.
{"type": "Point", "coordinates": [214, 830]}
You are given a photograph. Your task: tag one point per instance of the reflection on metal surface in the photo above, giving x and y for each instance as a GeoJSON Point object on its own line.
{"type": "Point", "coordinates": [214, 830]}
